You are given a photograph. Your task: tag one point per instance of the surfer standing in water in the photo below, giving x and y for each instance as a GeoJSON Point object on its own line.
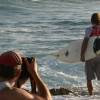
{"type": "Point", "coordinates": [10, 70]}
{"type": "Point", "coordinates": [92, 66]}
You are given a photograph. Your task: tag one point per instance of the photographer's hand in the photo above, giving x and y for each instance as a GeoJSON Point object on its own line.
{"type": "Point", "coordinates": [31, 67]}
{"type": "Point", "coordinates": [43, 90]}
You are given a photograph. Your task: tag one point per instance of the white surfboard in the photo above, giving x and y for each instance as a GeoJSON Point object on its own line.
{"type": "Point", "coordinates": [71, 54]}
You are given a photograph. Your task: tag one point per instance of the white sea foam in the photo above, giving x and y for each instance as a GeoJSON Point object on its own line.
{"type": "Point", "coordinates": [95, 97]}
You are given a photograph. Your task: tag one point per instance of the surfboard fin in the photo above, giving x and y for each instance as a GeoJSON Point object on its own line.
{"type": "Point", "coordinates": [67, 53]}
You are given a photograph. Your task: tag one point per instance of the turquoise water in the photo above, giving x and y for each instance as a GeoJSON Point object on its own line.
{"type": "Point", "coordinates": [41, 27]}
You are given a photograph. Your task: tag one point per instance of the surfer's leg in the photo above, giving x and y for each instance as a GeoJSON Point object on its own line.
{"type": "Point", "coordinates": [90, 87]}
{"type": "Point", "coordinates": [90, 75]}
{"type": "Point", "coordinates": [97, 67]}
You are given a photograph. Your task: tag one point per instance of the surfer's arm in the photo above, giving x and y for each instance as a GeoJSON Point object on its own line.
{"type": "Point", "coordinates": [84, 47]}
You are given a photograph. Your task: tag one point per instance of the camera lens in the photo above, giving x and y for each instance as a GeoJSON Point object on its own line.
{"type": "Point", "coordinates": [29, 59]}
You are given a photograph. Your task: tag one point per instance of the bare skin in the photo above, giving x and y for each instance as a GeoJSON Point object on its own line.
{"type": "Point", "coordinates": [20, 94]}
{"type": "Point", "coordinates": [43, 91]}
{"type": "Point", "coordinates": [83, 50]}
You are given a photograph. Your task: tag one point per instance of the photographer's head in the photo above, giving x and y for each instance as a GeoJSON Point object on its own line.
{"type": "Point", "coordinates": [10, 65]}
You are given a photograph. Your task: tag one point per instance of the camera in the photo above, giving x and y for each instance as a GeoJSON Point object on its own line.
{"type": "Point", "coordinates": [29, 59]}
{"type": "Point", "coordinates": [24, 73]}
{"type": "Point", "coordinates": [24, 76]}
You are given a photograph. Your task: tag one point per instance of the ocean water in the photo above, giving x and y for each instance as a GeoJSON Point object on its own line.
{"type": "Point", "coordinates": [39, 28]}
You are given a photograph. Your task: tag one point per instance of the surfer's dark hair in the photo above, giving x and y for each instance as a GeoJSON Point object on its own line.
{"type": "Point", "coordinates": [95, 18]}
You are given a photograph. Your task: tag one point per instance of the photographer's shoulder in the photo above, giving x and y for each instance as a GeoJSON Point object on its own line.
{"type": "Point", "coordinates": [22, 94]}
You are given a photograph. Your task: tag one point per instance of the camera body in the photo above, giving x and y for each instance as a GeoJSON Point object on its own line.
{"type": "Point", "coordinates": [24, 76]}
{"type": "Point", "coordinates": [29, 59]}
{"type": "Point", "coordinates": [24, 73]}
